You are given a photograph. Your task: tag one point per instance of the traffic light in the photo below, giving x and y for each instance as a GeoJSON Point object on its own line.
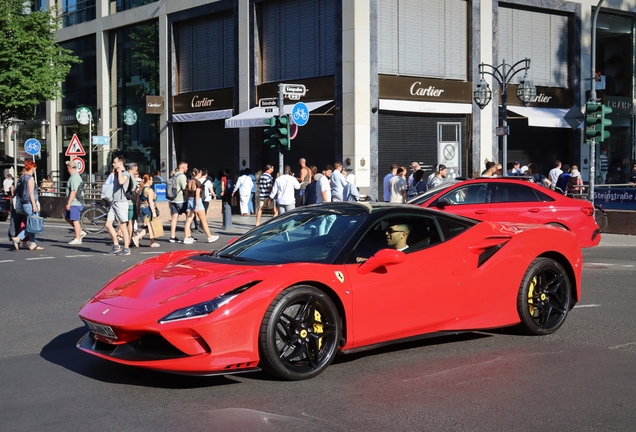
{"type": "Point", "coordinates": [277, 134]}
{"type": "Point", "coordinates": [596, 121]}
{"type": "Point", "coordinates": [282, 123]}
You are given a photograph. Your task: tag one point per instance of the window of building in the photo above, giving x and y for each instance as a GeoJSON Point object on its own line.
{"type": "Point", "coordinates": [541, 37]}
{"type": "Point", "coordinates": [80, 86]}
{"type": "Point", "coordinates": [423, 38]}
{"type": "Point", "coordinates": [134, 74]}
{"type": "Point", "coordinates": [122, 5]}
{"type": "Point", "coordinates": [297, 39]}
{"type": "Point", "coordinates": [76, 11]}
{"type": "Point", "coordinates": [205, 52]}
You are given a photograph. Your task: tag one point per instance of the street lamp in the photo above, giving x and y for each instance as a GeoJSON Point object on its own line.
{"type": "Point", "coordinates": [504, 74]}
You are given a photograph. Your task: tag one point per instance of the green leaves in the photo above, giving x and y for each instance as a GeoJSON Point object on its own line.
{"type": "Point", "coordinates": [32, 64]}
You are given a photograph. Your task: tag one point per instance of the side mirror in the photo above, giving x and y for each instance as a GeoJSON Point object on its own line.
{"type": "Point", "coordinates": [382, 258]}
{"type": "Point", "coordinates": [443, 202]}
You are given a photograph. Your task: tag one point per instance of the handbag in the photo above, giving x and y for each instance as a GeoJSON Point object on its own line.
{"type": "Point", "coordinates": [35, 224]}
{"type": "Point", "coordinates": [155, 227]}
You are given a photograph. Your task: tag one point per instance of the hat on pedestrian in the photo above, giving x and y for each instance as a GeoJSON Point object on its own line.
{"type": "Point", "coordinates": [524, 169]}
{"type": "Point", "coordinates": [72, 164]}
{"type": "Point", "coordinates": [575, 173]}
{"type": "Point", "coordinates": [351, 178]}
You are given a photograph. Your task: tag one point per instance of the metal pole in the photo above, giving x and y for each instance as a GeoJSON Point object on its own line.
{"type": "Point", "coordinates": [504, 119]}
{"type": "Point", "coordinates": [281, 112]}
{"type": "Point", "coordinates": [593, 99]}
{"type": "Point", "coordinates": [90, 147]}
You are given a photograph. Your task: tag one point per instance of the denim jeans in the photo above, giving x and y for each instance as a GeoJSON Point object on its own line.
{"type": "Point", "coordinates": [28, 211]}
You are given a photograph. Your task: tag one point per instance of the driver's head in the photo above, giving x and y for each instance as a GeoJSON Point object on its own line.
{"type": "Point", "coordinates": [396, 235]}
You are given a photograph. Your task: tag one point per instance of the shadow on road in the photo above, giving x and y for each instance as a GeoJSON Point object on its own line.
{"type": "Point", "coordinates": [62, 352]}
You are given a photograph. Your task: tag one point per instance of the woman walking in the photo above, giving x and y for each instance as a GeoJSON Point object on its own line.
{"type": "Point", "coordinates": [195, 208]}
{"type": "Point", "coordinates": [27, 193]}
{"type": "Point", "coordinates": [148, 209]}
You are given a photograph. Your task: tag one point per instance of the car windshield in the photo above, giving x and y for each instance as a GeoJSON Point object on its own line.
{"type": "Point", "coordinates": [429, 193]}
{"type": "Point", "coordinates": [312, 235]}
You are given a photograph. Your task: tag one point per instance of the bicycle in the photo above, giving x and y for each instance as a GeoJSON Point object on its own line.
{"type": "Point", "coordinates": [601, 218]}
{"type": "Point", "coordinates": [93, 218]}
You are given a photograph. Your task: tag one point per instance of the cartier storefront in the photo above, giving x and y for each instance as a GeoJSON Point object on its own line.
{"type": "Point", "coordinates": [424, 120]}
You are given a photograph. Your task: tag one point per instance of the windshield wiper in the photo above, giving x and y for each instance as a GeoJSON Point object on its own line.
{"type": "Point", "coordinates": [236, 258]}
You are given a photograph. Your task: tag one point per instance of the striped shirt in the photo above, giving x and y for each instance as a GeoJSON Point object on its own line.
{"type": "Point", "coordinates": [265, 183]}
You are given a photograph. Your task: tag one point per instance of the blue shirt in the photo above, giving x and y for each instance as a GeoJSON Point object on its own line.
{"type": "Point", "coordinates": [338, 184]}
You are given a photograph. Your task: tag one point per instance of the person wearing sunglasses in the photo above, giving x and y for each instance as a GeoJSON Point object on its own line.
{"type": "Point", "coordinates": [397, 235]}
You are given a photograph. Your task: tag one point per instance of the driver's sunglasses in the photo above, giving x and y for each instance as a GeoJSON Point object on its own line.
{"type": "Point", "coordinates": [392, 231]}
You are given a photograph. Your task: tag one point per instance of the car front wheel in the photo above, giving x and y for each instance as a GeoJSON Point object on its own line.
{"type": "Point", "coordinates": [544, 297]}
{"type": "Point", "coordinates": [299, 334]}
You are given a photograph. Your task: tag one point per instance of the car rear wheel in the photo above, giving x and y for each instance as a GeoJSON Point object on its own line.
{"type": "Point", "coordinates": [299, 334]}
{"type": "Point", "coordinates": [544, 297]}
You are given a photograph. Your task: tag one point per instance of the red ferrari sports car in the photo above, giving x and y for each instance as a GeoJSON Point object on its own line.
{"type": "Point", "coordinates": [290, 294]}
{"type": "Point", "coordinates": [511, 199]}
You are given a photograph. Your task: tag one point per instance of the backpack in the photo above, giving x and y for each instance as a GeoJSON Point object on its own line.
{"type": "Point", "coordinates": [412, 191]}
{"type": "Point", "coordinates": [230, 187]}
{"type": "Point", "coordinates": [129, 193]}
{"type": "Point", "coordinates": [172, 188]}
{"type": "Point", "coordinates": [21, 191]}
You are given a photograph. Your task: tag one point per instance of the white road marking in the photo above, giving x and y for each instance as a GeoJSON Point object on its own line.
{"type": "Point", "coordinates": [587, 306]}
{"type": "Point", "coordinates": [7, 261]}
{"type": "Point", "coordinates": [600, 264]}
{"type": "Point", "coordinates": [622, 346]}
{"type": "Point", "coordinates": [150, 253]}
{"type": "Point", "coordinates": [39, 258]}
{"type": "Point", "coordinates": [77, 256]}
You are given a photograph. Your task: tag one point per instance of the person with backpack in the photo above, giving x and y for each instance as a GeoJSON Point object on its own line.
{"type": "Point", "coordinates": [418, 185]}
{"type": "Point", "coordinates": [27, 204]}
{"type": "Point", "coordinates": [122, 185]}
{"type": "Point", "coordinates": [175, 193]}
{"type": "Point", "coordinates": [74, 202]}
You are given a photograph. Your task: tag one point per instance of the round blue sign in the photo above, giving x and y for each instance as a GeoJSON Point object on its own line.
{"type": "Point", "coordinates": [300, 114]}
{"type": "Point", "coordinates": [32, 146]}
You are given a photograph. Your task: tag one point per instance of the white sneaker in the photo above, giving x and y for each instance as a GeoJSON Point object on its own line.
{"type": "Point", "coordinates": [213, 238]}
{"type": "Point", "coordinates": [188, 240]}
{"type": "Point", "coordinates": [82, 234]}
{"type": "Point", "coordinates": [75, 242]}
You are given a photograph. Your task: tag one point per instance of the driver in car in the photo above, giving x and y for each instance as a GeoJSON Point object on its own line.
{"type": "Point", "coordinates": [396, 237]}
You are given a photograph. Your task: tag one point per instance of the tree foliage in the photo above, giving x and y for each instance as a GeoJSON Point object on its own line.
{"type": "Point", "coordinates": [32, 63]}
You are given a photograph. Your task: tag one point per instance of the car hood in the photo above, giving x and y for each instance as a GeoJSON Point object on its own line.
{"type": "Point", "coordinates": [176, 278]}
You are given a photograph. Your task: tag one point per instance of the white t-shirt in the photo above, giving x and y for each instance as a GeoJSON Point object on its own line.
{"type": "Point", "coordinates": [207, 187]}
{"type": "Point", "coordinates": [554, 176]}
{"type": "Point", "coordinates": [284, 187]}
{"type": "Point", "coordinates": [6, 184]}
{"type": "Point", "coordinates": [397, 185]}
{"type": "Point", "coordinates": [323, 186]}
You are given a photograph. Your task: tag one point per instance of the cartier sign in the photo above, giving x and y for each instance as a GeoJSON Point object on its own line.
{"type": "Point", "coordinates": [547, 97]}
{"type": "Point", "coordinates": [203, 101]}
{"type": "Point", "coordinates": [423, 89]}
{"type": "Point", "coordinates": [154, 104]}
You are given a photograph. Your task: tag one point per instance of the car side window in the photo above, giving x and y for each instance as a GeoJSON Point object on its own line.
{"type": "Point", "coordinates": [512, 192]}
{"type": "Point", "coordinates": [468, 194]}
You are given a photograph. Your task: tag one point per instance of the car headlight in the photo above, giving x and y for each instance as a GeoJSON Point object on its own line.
{"type": "Point", "coordinates": [203, 309]}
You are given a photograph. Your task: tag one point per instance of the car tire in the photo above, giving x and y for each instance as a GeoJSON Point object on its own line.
{"type": "Point", "coordinates": [545, 297]}
{"type": "Point", "coordinates": [300, 334]}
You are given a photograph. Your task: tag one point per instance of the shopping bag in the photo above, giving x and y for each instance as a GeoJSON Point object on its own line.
{"type": "Point", "coordinates": [35, 224]}
{"type": "Point", "coordinates": [155, 227]}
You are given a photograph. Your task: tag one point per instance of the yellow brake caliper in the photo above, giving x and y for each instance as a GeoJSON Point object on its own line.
{"type": "Point", "coordinates": [531, 308]}
{"type": "Point", "coordinates": [318, 327]}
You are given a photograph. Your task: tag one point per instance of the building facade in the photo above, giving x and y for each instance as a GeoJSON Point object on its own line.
{"type": "Point", "coordinates": [388, 81]}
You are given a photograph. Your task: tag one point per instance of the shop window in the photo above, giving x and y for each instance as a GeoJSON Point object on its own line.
{"type": "Point", "coordinates": [77, 11]}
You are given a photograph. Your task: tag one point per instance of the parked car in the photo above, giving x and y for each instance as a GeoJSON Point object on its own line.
{"type": "Point", "coordinates": [335, 277]}
{"type": "Point", "coordinates": [513, 199]}
{"type": "Point", "coordinates": [5, 207]}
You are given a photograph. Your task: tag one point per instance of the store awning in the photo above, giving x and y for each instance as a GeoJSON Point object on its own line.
{"type": "Point", "coordinates": [255, 117]}
{"type": "Point", "coordinates": [542, 117]}
{"type": "Point", "coordinates": [202, 116]}
{"type": "Point", "coordinates": [425, 107]}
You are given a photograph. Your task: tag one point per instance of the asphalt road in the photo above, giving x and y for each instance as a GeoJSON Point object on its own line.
{"type": "Point", "coordinates": [582, 378]}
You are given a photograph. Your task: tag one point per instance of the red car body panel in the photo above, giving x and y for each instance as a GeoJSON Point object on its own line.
{"type": "Point", "coordinates": [441, 288]}
{"type": "Point", "coordinates": [575, 215]}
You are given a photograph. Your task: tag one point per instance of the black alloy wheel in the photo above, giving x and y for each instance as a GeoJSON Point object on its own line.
{"type": "Point", "coordinates": [299, 334]}
{"type": "Point", "coordinates": [544, 297]}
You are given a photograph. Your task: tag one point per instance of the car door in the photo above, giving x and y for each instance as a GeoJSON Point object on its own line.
{"type": "Point", "coordinates": [402, 298]}
{"type": "Point", "coordinates": [468, 200]}
{"type": "Point", "coordinates": [516, 202]}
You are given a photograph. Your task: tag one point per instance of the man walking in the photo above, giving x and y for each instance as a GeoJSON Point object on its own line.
{"type": "Point", "coordinates": [119, 207]}
{"type": "Point", "coordinates": [554, 174]}
{"type": "Point", "coordinates": [283, 190]}
{"type": "Point", "coordinates": [265, 185]}
{"type": "Point", "coordinates": [74, 202]}
{"type": "Point", "coordinates": [338, 182]}
{"type": "Point", "coordinates": [439, 177]}
{"type": "Point", "coordinates": [323, 190]}
{"type": "Point", "coordinates": [178, 205]}
{"type": "Point", "coordinates": [397, 185]}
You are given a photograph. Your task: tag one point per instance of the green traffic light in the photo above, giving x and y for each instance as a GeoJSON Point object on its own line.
{"type": "Point", "coordinates": [596, 121]}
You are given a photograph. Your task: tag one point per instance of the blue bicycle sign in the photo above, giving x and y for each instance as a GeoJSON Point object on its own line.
{"type": "Point", "coordinates": [300, 114]}
{"type": "Point", "coordinates": [32, 146]}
